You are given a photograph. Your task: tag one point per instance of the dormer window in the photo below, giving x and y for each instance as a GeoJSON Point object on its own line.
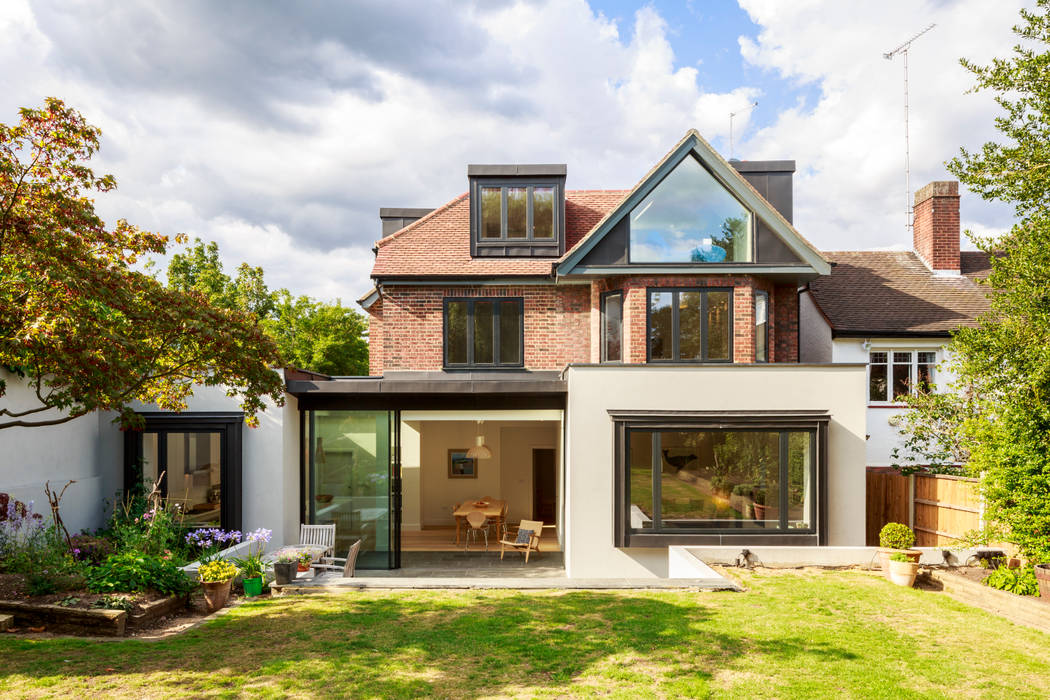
{"type": "Point", "coordinates": [517, 210]}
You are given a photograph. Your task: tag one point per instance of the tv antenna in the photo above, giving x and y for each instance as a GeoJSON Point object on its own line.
{"type": "Point", "coordinates": [902, 50]}
{"type": "Point", "coordinates": [731, 115]}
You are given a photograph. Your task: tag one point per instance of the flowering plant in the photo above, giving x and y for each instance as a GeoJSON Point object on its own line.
{"type": "Point", "coordinates": [216, 571]}
{"type": "Point", "coordinates": [286, 556]}
{"type": "Point", "coordinates": [305, 559]}
{"type": "Point", "coordinates": [251, 565]}
{"type": "Point", "coordinates": [208, 542]}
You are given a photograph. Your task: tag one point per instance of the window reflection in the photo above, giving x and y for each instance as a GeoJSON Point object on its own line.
{"type": "Point", "coordinates": [690, 218]}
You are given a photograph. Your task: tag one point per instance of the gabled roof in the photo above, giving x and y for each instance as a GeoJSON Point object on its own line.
{"type": "Point", "coordinates": [694, 143]}
{"type": "Point", "coordinates": [888, 293]}
{"type": "Point", "coordinates": [439, 243]}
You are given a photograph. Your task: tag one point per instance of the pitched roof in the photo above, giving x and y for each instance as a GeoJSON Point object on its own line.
{"type": "Point", "coordinates": [439, 243]}
{"type": "Point", "coordinates": [889, 292]}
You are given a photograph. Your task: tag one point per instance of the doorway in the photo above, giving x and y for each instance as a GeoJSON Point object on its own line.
{"type": "Point", "coordinates": [544, 486]}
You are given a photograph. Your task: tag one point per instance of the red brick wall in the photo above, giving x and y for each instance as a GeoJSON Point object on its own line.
{"type": "Point", "coordinates": [562, 323]}
{"type": "Point", "coordinates": [557, 325]}
{"type": "Point", "coordinates": [935, 225]}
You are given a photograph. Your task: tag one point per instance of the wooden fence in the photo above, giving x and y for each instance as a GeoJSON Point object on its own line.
{"type": "Point", "coordinates": [940, 508]}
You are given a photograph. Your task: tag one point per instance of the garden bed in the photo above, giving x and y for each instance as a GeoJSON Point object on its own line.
{"type": "Point", "coordinates": [964, 584]}
{"type": "Point", "coordinates": [82, 612]}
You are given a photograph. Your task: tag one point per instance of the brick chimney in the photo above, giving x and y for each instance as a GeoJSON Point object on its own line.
{"type": "Point", "coordinates": [935, 226]}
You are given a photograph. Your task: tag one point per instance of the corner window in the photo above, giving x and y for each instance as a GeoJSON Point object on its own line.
{"type": "Point", "coordinates": [761, 327]}
{"type": "Point", "coordinates": [515, 213]}
{"type": "Point", "coordinates": [612, 327]}
{"type": "Point", "coordinates": [484, 332]}
{"type": "Point", "coordinates": [893, 374]}
{"type": "Point", "coordinates": [689, 325]}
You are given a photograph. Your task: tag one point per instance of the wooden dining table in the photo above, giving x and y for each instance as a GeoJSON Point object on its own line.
{"type": "Point", "coordinates": [491, 509]}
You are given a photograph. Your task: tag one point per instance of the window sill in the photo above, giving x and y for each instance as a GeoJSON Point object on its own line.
{"type": "Point", "coordinates": [785, 538]}
{"type": "Point", "coordinates": [887, 405]}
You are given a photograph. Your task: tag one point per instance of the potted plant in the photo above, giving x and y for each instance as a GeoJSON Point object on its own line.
{"type": "Point", "coordinates": [251, 565]}
{"type": "Point", "coordinates": [760, 504]}
{"type": "Point", "coordinates": [285, 564]}
{"type": "Point", "coordinates": [902, 570]}
{"type": "Point", "coordinates": [304, 561]}
{"type": "Point", "coordinates": [216, 577]}
{"type": "Point", "coordinates": [894, 538]}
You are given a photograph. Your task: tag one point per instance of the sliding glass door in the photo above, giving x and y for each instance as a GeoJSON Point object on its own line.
{"type": "Point", "coordinates": [349, 479]}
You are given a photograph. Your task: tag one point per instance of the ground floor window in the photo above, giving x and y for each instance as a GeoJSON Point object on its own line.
{"type": "Point", "coordinates": [195, 459]}
{"type": "Point", "coordinates": [699, 475]}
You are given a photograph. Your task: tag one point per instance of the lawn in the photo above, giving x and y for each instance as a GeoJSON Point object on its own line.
{"type": "Point", "coordinates": [792, 634]}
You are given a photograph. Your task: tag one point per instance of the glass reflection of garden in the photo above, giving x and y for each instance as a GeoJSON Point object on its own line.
{"type": "Point", "coordinates": [719, 479]}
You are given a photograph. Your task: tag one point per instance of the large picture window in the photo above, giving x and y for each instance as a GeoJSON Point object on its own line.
{"type": "Point", "coordinates": [893, 374]}
{"type": "Point", "coordinates": [728, 475]}
{"type": "Point", "coordinates": [690, 325]}
{"type": "Point", "coordinates": [484, 332]}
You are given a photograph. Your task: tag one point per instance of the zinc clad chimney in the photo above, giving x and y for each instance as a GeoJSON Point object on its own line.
{"type": "Point", "coordinates": [935, 226]}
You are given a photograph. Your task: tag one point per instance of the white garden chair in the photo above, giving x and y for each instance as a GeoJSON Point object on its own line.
{"type": "Point", "coordinates": [319, 536]}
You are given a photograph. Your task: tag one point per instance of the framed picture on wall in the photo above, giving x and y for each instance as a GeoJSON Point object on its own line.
{"type": "Point", "coordinates": [460, 466]}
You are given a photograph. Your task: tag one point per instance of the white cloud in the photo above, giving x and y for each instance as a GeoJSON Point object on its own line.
{"type": "Point", "coordinates": [279, 130]}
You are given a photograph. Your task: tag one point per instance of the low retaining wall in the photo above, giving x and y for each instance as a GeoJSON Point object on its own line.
{"type": "Point", "coordinates": [792, 557]}
{"type": "Point", "coordinates": [1029, 611]}
{"type": "Point", "coordinates": [56, 618]}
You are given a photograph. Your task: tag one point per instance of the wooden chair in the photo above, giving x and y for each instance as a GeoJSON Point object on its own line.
{"type": "Point", "coordinates": [319, 535]}
{"type": "Point", "coordinates": [500, 523]}
{"type": "Point", "coordinates": [457, 519]}
{"type": "Point", "coordinates": [476, 523]}
{"type": "Point", "coordinates": [345, 565]}
{"type": "Point", "coordinates": [531, 542]}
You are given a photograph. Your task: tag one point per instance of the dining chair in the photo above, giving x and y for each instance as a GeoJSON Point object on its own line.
{"type": "Point", "coordinates": [476, 523]}
{"type": "Point", "coordinates": [457, 519]}
{"type": "Point", "coordinates": [500, 522]}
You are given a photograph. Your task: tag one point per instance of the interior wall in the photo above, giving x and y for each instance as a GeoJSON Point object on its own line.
{"type": "Point", "coordinates": [411, 518]}
{"type": "Point", "coordinates": [439, 493]}
{"type": "Point", "coordinates": [516, 464]}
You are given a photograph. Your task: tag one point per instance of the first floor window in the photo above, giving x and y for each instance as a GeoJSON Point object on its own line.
{"type": "Point", "coordinates": [484, 332]}
{"type": "Point", "coordinates": [612, 327]}
{"type": "Point", "coordinates": [761, 327]}
{"type": "Point", "coordinates": [893, 374]}
{"type": "Point", "coordinates": [720, 479]}
{"type": "Point", "coordinates": [689, 325]}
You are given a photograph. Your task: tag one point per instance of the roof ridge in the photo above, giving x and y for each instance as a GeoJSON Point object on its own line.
{"type": "Point", "coordinates": [386, 239]}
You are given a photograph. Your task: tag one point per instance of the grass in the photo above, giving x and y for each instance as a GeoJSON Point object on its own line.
{"type": "Point", "coordinates": [794, 634]}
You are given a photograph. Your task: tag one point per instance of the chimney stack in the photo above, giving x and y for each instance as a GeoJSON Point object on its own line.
{"type": "Point", "coordinates": [935, 226]}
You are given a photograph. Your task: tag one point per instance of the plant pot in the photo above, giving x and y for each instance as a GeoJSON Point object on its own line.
{"type": "Point", "coordinates": [884, 558]}
{"type": "Point", "coordinates": [1042, 574]}
{"type": "Point", "coordinates": [285, 573]}
{"type": "Point", "coordinates": [216, 593]}
{"type": "Point", "coordinates": [252, 586]}
{"type": "Point", "coordinates": [301, 568]}
{"type": "Point", "coordinates": [903, 573]}
{"type": "Point", "coordinates": [760, 511]}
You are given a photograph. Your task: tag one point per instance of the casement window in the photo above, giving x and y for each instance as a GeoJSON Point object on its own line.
{"type": "Point", "coordinates": [612, 327]}
{"type": "Point", "coordinates": [484, 332]}
{"type": "Point", "coordinates": [690, 325]}
{"type": "Point", "coordinates": [686, 478]}
{"type": "Point", "coordinates": [761, 326]}
{"type": "Point", "coordinates": [893, 374]}
{"type": "Point", "coordinates": [518, 212]}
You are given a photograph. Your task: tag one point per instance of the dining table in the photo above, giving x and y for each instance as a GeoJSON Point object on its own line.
{"type": "Point", "coordinates": [491, 508]}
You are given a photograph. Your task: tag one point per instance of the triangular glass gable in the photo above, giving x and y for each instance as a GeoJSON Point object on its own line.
{"type": "Point", "coordinates": [690, 217]}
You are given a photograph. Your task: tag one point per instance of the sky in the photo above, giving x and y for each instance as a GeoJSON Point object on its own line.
{"type": "Point", "coordinates": [279, 129]}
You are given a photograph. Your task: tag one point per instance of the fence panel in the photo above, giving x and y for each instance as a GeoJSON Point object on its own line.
{"type": "Point", "coordinates": [887, 502]}
{"type": "Point", "coordinates": [946, 508]}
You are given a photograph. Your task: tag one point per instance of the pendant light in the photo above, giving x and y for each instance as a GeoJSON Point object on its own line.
{"type": "Point", "coordinates": [480, 450]}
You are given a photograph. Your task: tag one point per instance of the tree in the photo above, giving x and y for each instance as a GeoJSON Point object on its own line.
{"type": "Point", "coordinates": [322, 337]}
{"type": "Point", "coordinates": [86, 330]}
{"type": "Point", "coordinates": [1003, 363]}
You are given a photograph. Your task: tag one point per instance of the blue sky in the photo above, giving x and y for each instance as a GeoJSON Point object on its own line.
{"type": "Point", "coordinates": [279, 129]}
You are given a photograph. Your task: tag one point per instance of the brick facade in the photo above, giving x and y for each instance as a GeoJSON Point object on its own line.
{"type": "Point", "coordinates": [935, 226]}
{"type": "Point", "coordinates": [563, 322]}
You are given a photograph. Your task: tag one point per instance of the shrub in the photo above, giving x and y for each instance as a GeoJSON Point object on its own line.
{"type": "Point", "coordinates": [90, 548]}
{"type": "Point", "coordinates": [114, 602]}
{"type": "Point", "coordinates": [898, 556]}
{"type": "Point", "coordinates": [896, 536]}
{"type": "Point", "coordinates": [129, 572]}
{"type": "Point", "coordinates": [1019, 581]}
{"type": "Point", "coordinates": [135, 526]}
{"type": "Point", "coordinates": [216, 571]}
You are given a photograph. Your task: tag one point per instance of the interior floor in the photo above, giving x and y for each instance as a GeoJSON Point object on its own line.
{"type": "Point", "coordinates": [443, 539]}
{"type": "Point", "coordinates": [475, 563]}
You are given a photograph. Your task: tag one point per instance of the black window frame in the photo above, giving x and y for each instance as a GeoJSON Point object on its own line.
{"type": "Point", "coordinates": [815, 422]}
{"type": "Point", "coordinates": [675, 325]}
{"type": "Point", "coordinates": [529, 246]}
{"type": "Point", "coordinates": [765, 345]}
{"type": "Point", "coordinates": [603, 300]}
{"type": "Point", "coordinates": [228, 424]}
{"type": "Point", "coordinates": [497, 340]}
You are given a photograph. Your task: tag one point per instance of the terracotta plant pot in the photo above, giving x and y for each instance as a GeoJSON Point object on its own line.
{"type": "Point", "coordinates": [1042, 574]}
{"type": "Point", "coordinates": [884, 558]}
{"type": "Point", "coordinates": [285, 573]}
{"type": "Point", "coordinates": [216, 593]}
{"type": "Point", "coordinates": [301, 568]}
{"type": "Point", "coordinates": [903, 573]}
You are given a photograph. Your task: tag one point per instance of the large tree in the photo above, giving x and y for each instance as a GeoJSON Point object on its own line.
{"type": "Point", "coordinates": [85, 329]}
{"type": "Point", "coordinates": [999, 412]}
{"type": "Point", "coordinates": [320, 336]}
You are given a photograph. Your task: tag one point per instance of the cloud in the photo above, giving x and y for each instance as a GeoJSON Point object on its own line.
{"type": "Point", "coordinates": [279, 129]}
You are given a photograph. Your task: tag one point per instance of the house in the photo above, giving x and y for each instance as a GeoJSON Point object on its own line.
{"type": "Point", "coordinates": [629, 359]}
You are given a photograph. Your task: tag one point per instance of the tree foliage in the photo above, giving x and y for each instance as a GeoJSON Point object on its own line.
{"type": "Point", "coordinates": [86, 330]}
{"type": "Point", "coordinates": [1001, 409]}
{"type": "Point", "coordinates": [310, 334]}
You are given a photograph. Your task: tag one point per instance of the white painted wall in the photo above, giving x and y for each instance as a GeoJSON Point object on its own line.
{"type": "Point", "coordinates": [589, 462]}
